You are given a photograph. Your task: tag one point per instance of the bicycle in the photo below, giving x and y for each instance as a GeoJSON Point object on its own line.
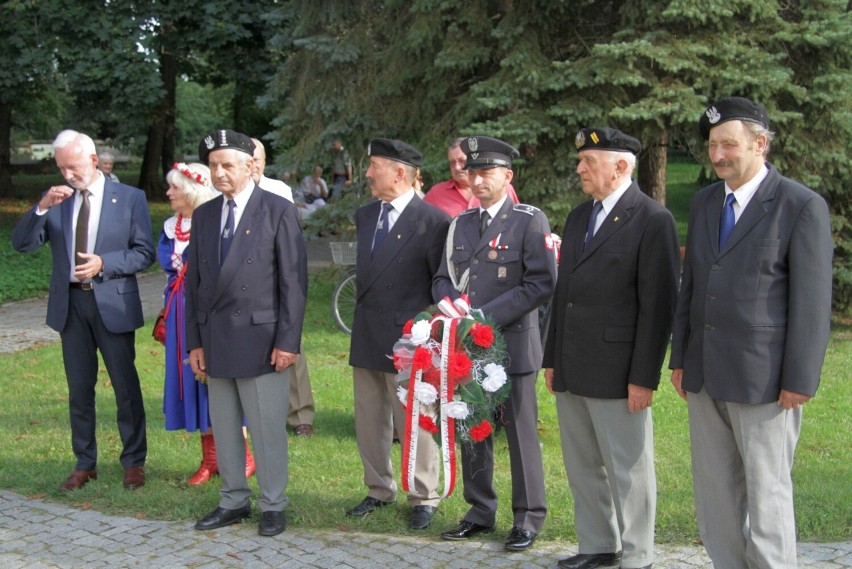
{"type": "Point", "coordinates": [344, 297]}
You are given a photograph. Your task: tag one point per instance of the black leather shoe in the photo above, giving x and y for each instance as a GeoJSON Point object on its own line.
{"type": "Point", "coordinates": [466, 530]}
{"type": "Point", "coordinates": [520, 539]}
{"type": "Point", "coordinates": [591, 561]}
{"type": "Point", "coordinates": [366, 506]}
{"type": "Point", "coordinates": [271, 523]}
{"type": "Point", "coordinates": [220, 517]}
{"type": "Point", "coordinates": [422, 517]}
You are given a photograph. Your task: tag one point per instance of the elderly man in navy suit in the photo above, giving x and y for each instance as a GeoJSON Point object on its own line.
{"type": "Point", "coordinates": [400, 239]}
{"type": "Point", "coordinates": [502, 256]}
{"type": "Point", "coordinates": [246, 288]}
{"type": "Point", "coordinates": [100, 237]}
{"type": "Point", "coordinates": [612, 312]}
{"type": "Point", "coordinates": [749, 338]}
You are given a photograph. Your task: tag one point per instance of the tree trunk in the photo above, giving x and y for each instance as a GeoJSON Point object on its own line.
{"type": "Point", "coordinates": [160, 146]}
{"type": "Point", "coordinates": [652, 169]}
{"type": "Point", "coordinates": [5, 149]}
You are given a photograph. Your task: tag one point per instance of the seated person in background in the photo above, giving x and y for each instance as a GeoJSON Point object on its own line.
{"type": "Point", "coordinates": [311, 194]}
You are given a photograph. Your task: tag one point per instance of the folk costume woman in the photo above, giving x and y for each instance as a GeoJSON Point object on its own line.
{"type": "Point", "coordinates": [185, 402]}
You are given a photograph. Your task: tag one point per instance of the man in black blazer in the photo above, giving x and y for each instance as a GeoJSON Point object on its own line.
{"type": "Point", "coordinates": [400, 239]}
{"type": "Point", "coordinates": [246, 287]}
{"type": "Point", "coordinates": [606, 342]}
{"type": "Point", "coordinates": [100, 237]}
{"type": "Point", "coordinates": [502, 256]}
{"type": "Point", "coordinates": [749, 337]}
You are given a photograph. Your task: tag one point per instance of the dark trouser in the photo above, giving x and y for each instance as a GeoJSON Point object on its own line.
{"type": "Point", "coordinates": [83, 336]}
{"type": "Point", "coordinates": [528, 499]}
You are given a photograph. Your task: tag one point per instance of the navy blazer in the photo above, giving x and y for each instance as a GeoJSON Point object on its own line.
{"type": "Point", "coordinates": [124, 243]}
{"type": "Point", "coordinates": [754, 318]}
{"type": "Point", "coordinates": [239, 310]}
{"type": "Point", "coordinates": [509, 283]}
{"type": "Point", "coordinates": [394, 284]}
{"type": "Point", "coordinates": [614, 302]}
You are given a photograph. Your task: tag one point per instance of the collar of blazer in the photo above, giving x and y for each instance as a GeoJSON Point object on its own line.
{"type": "Point", "coordinates": [617, 218]}
{"type": "Point", "coordinates": [757, 207]}
{"type": "Point", "coordinates": [369, 266]}
{"type": "Point", "coordinates": [242, 240]}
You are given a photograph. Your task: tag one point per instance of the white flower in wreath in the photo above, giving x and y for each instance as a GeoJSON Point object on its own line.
{"type": "Point", "coordinates": [421, 331]}
{"type": "Point", "coordinates": [457, 410]}
{"type": "Point", "coordinates": [495, 377]}
{"type": "Point", "coordinates": [425, 393]}
{"type": "Point", "coordinates": [402, 393]}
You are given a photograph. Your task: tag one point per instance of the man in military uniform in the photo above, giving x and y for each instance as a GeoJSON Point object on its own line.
{"type": "Point", "coordinates": [501, 255]}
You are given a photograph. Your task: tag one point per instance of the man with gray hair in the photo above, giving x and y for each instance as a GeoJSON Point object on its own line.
{"type": "Point", "coordinates": [612, 312]}
{"type": "Point", "coordinates": [106, 161]}
{"type": "Point", "coordinates": [100, 237]}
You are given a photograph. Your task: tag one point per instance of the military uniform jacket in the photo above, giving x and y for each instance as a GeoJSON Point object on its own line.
{"type": "Point", "coordinates": [507, 281]}
{"type": "Point", "coordinates": [754, 317]}
{"type": "Point", "coordinates": [239, 310]}
{"type": "Point", "coordinates": [614, 302]}
{"type": "Point", "coordinates": [395, 284]}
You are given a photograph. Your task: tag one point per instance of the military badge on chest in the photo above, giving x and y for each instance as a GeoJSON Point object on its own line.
{"type": "Point", "coordinates": [496, 254]}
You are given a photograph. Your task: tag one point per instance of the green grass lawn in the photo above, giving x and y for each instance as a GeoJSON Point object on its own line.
{"type": "Point", "coordinates": [325, 471]}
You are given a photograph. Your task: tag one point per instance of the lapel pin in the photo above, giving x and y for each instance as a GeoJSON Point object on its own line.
{"type": "Point", "coordinates": [616, 218]}
{"type": "Point", "coordinates": [398, 236]}
{"type": "Point", "coordinates": [114, 200]}
{"type": "Point", "coordinates": [248, 231]}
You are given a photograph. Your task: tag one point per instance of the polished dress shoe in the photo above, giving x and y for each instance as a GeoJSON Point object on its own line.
{"type": "Point", "coordinates": [591, 561]}
{"type": "Point", "coordinates": [466, 530]}
{"type": "Point", "coordinates": [220, 517]}
{"type": "Point", "coordinates": [271, 523]}
{"type": "Point", "coordinates": [422, 517]}
{"type": "Point", "coordinates": [78, 479]}
{"type": "Point", "coordinates": [366, 506]}
{"type": "Point", "coordinates": [519, 539]}
{"type": "Point", "coordinates": [134, 477]}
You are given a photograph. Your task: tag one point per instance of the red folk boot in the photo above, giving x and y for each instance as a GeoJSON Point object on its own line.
{"type": "Point", "coordinates": [208, 468]}
{"type": "Point", "coordinates": [250, 467]}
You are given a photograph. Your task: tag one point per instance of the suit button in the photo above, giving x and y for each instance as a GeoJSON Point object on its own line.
{"type": "Point", "coordinates": [249, 260]}
{"type": "Point", "coordinates": [213, 311]}
{"type": "Point", "coordinates": [379, 310]}
{"type": "Point", "coordinates": [715, 267]}
{"type": "Point", "coordinates": [708, 327]}
{"type": "Point", "coordinates": [390, 286]}
{"type": "Point", "coordinates": [569, 305]}
{"type": "Point", "coordinates": [245, 287]}
{"type": "Point", "coordinates": [473, 278]}
{"type": "Point", "coordinates": [476, 261]}
{"type": "Point", "coordinates": [473, 293]}
{"type": "Point", "coordinates": [236, 312]}
{"type": "Point", "coordinates": [709, 297]}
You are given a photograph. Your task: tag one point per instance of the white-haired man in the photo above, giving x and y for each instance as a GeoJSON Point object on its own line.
{"type": "Point", "coordinates": [100, 237]}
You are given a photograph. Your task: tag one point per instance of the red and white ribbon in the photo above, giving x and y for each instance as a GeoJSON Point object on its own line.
{"type": "Point", "coordinates": [447, 424]}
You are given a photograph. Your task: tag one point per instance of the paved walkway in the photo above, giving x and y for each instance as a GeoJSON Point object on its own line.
{"type": "Point", "coordinates": [39, 534]}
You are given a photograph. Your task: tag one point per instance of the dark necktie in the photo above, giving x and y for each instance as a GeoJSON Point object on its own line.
{"type": "Point", "coordinates": [483, 221]}
{"type": "Point", "coordinates": [593, 220]}
{"type": "Point", "coordinates": [81, 233]}
{"type": "Point", "coordinates": [726, 223]}
{"type": "Point", "coordinates": [227, 232]}
{"type": "Point", "coordinates": [382, 228]}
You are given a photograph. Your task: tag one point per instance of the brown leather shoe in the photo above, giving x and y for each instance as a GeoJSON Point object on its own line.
{"type": "Point", "coordinates": [134, 477]}
{"type": "Point", "coordinates": [78, 479]}
{"type": "Point", "coordinates": [304, 430]}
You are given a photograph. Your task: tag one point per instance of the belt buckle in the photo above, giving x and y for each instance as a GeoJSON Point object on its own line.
{"type": "Point", "coordinates": [86, 286]}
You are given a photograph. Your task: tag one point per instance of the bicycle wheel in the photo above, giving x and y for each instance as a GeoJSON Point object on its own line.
{"type": "Point", "coordinates": [343, 302]}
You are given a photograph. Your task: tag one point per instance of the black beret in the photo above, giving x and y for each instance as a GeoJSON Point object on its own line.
{"type": "Point", "coordinates": [483, 152]}
{"type": "Point", "coordinates": [732, 109]}
{"type": "Point", "coordinates": [396, 150]}
{"type": "Point", "coordinates": [605, 138]}
{"type": "Point", "coordinates": [221, 139]}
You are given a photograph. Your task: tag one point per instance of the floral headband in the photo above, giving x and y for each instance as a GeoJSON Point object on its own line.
{"type": "Point", "coordinates": [192, 175]}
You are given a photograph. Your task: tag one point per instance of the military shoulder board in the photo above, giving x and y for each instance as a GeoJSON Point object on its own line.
{"type": "Point", "coordinates": [469, 211]}
{"type": "Point", "coordinates": [527, 209]}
